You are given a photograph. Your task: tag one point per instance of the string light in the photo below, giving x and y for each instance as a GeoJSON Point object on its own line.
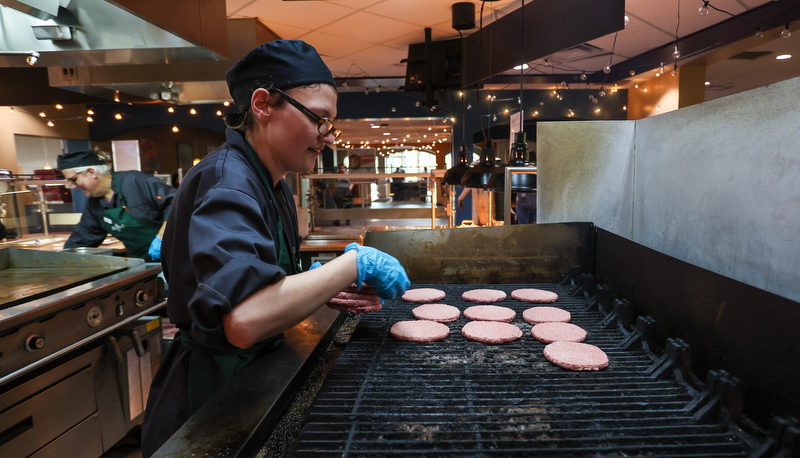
{"type": "Point", "coordinates": [118, 116]}
{"type": "Point", "coordinates": [59, 106]}
{"type": "Point", "coordinates": [786, 33]}
{"type": "Point", "coordinates": [171, 110]}
{"type": "Point", "coordinates": [759, 33]}
{"type": "Point", "coordinates": [703, 10]}
{"type": "Point", "coordinates": [175, 129]}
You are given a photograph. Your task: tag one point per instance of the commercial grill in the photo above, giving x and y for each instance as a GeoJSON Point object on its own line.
{"type": "Point", "coordinates": [675, 385]}
{"type": "Point", "coordinates": [457, 396]}
{"type": "Point", "coordinates": [79, 343]}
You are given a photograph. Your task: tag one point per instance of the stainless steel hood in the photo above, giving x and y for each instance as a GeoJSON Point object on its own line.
{"type": "Point", "coordinates": [98, 32]}
{"type": "Point", "coordinates": [102, 48]}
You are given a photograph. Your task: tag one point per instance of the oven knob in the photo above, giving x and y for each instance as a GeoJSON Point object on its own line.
{"type": "Point", "coordinates": [94, 316]}
{"type": "Point", "coordinates": [34, 342]}
{"type": "Point", "coordinates": [141, 298]}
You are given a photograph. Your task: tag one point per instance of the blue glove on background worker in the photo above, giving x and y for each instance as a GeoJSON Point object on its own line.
{"type": "Point", "coordinates": [155, 249]}
{"type": "Point", "coordinates": [382, 271]}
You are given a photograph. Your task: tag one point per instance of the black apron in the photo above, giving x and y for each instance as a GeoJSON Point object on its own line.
{"type": "Point", "coordinates": [209, 369]}
{"type": "Point", "coordinates": [135, 234]}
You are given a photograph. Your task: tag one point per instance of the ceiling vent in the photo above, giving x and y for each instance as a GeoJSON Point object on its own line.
{"type": "Point", "coordinates": [750, 55]}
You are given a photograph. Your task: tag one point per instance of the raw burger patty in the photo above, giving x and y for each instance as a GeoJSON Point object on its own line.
{"type": "Point", "coordinates": [492, 332]}
{"type": "Point", "coordinates": [365, 289]}
{"type": "Point", "coordinates": [483, 296]}
{"type": "Point", "coordinates": [558, 332]}
{"type": "Point", "coordinates": [442, 313]}
{"type": "Point", "coordinates": [538, 296]}
{"type": "Point", "coordinates": [546, 314]}
{"type": "Point", "coordinates": [490, 313]}
{"type": "Point", "coordinates": [345, 308]}
{"type": "Point", "coordinates": [419, 331]}
{"type": "Point", "coordinates": [424, 295]}
{"type": "Point", "coordinates": [354, 302]}
{"type": "Point", "coordinates": [576, 356]}
{"type": "Point", "coordinates": [358, 296]}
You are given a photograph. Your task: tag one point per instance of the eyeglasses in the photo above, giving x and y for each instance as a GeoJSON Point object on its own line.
{"type": "Point", "coordinates": [74, 179]}
{"type": "Point", "coordinates": [324, 125]}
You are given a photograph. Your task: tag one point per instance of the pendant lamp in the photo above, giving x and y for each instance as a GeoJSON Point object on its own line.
{"type": "Point", "coordinates": [478, 175]}
{"type": "Point", "coordinates": [520, 182]}
{"type": "Point", "coordinates": [454, 174]}
{"type": "Point", "coordinates": [463, 19]}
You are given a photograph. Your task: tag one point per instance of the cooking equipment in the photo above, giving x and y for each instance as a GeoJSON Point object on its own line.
{"type": "Point", "coordinates": [79, 344]}
{"type": "Point", "coordinates": [687, 376]}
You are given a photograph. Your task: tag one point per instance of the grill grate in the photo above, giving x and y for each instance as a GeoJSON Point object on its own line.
{"type": "Point", "coordinates": [387, 397]}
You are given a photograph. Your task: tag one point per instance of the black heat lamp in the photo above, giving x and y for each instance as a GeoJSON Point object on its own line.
{"type": "Point", "coordinates": [520, 182]}
{"type": "Point", "coordinates": [454, 174]}
{"type": "Point", "coordinates": [478, 175]}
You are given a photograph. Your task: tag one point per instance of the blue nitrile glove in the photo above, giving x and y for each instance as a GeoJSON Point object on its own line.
{"type": "Point", "coordinates": [155, 249]}
{"type": "Point", "coordinates": [315, 265]}
{"type": "Point", "coordinates": [382, 271]}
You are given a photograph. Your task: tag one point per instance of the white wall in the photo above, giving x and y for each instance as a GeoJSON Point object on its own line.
{"type": "Point", "coordinates": [715, 184]}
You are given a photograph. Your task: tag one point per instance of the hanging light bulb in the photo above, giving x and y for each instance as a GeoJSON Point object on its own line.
{"type": "Point", "coordinates": [607, 69]}
{"type": "Point", "coordinates": [627, 19]}
{"type": "Point", "coordinates": [602, 93]}
{"type": "Point", "coordinates": [558, 96]}
{"type": "Point", "coordinates": [591, 97]}
{"type": "Point", "coordinates": [675, 70]}
{"type": "Point", "coordinates": [703, 10]}
{"type": "Point", "coordinates": [583, 76]}
{"type": "Point", "coordinates": [759, 33]}
{"type": "Point", "coordinates": [675, 53]}
{"type": "Point", "coordinates": [661, 69]}
{"type": "Point", "coordinates": [786, 33]}
{"type": "Point", "coordinates": [632, 72]}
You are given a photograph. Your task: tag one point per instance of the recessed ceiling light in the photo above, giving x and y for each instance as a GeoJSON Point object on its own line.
{"type": "Point", "coordinates": [783, 56]}
{"type": "Point", "coordinates": [374, 126]}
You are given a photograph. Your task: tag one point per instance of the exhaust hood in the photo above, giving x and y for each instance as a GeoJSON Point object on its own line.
{"type": "Point", "coordinates": [101, 48]}
{"type": "Point", "coordinates": [70, 33]}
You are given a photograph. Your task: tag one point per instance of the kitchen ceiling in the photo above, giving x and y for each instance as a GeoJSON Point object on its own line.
{"type": "Point", "coordinates": [365, 43]}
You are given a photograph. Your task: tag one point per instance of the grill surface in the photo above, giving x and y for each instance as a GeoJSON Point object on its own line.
{"type": "Point", "coordinates": [388, 397]}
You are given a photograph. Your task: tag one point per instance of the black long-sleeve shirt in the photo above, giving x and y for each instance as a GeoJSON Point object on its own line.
{"type": "Point", "coordinates": [147, 197]}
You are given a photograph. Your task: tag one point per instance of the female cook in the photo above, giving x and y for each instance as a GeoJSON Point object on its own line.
{"type": "Point", "coordinates": [231, 245]}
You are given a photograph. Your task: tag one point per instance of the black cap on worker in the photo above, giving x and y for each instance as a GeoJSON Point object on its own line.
{"type": "Point", "coordinates": [283, 64]}
{"type": "Point", "coordinates": [78, 159]}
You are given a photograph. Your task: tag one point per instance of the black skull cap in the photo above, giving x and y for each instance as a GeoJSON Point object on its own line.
{"type": "Point", "coordinates": [75, 159]}
{"type": "Point", "coordinates": [283, 64]}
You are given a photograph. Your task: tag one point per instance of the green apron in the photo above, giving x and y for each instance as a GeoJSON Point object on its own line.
{"type": "Point", "coordinates": [210, 369]}
{"type": "Point", "coordinates": [135, 234]}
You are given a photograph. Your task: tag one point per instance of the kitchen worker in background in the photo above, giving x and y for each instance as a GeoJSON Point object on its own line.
{"type": "Point", "coordinates": [231, 247]}
{"type": "Point", "coordinates": [132, 206]}
{"type": "Point", "coordinates": [526, 207]}
{"type": "Point", "coordinates": [342, 191]}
